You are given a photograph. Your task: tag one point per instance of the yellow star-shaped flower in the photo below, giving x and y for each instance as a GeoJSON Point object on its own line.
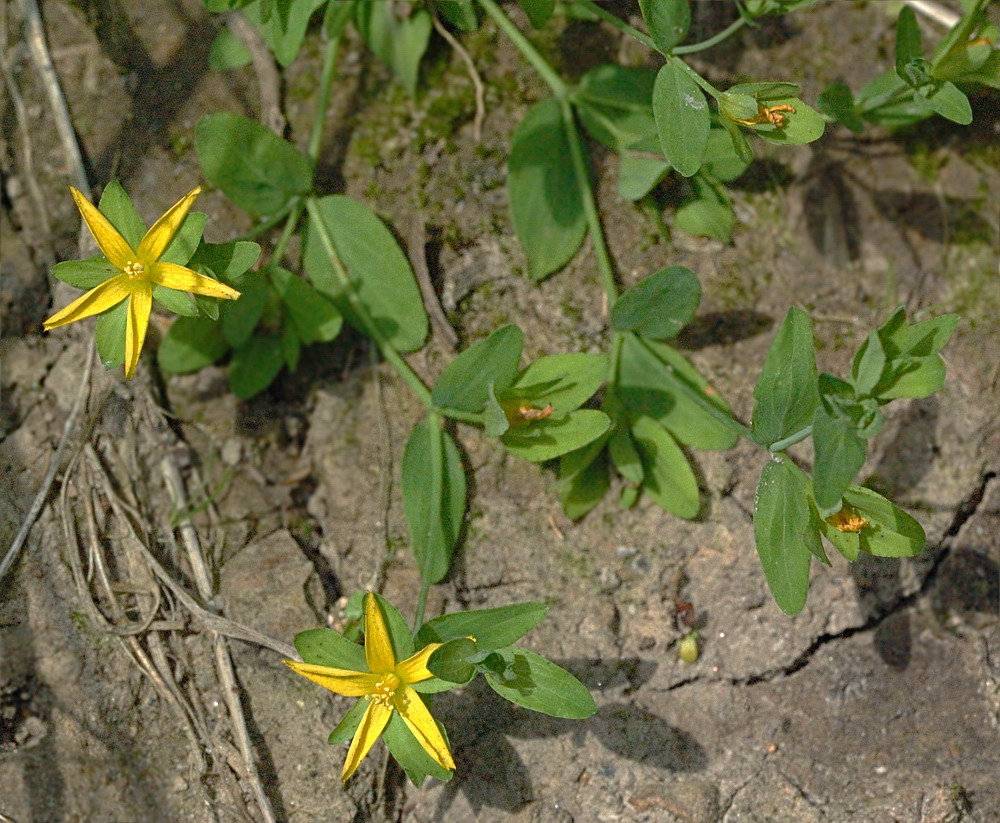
{"type": "Point", "coordinates": [386, 687]}
{"type": "Point", "coordinates": [140, 271]}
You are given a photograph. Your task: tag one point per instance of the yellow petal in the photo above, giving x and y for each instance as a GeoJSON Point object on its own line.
{"type": "Point", "coordinates": [100, 298]}
{"type": "Point", "coordinates": [139, 306]}
{"type": "Point", "coordinates": [163, 230]}
{"type": "Point", "coordinates": [414, 669]}
{"type": "Point", "coordinates": [338, 681]}
{"type": "Point", "coordinates": [184, 279]}
{"type": "Point", "coordinates": [371, 726]}
{"type": "Point", "coordinates": [378, 647]}
{"type": "Point", "coordinates": [420, 721]}
{"type": "Point", "coordinates": [109, 241]}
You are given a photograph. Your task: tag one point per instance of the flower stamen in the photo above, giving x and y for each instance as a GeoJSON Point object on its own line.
{"type": "Point", "coordinates": [847, 521]}
{"type": "Point", "coordinates": [135, 270]}
{"type": "Point", "coordinates": [385, 689]}
{"type": "Point", "coordinates": [769, 114]}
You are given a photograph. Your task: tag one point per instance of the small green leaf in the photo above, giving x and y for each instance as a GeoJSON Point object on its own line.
{"type": "Point", "coordinates": [399, 39]}
{"type": "Point", "coordinates": [450, 662]}
{"type": "Point", "coordinates": [240, 318]}
{"type": "Point", "coordinates": [118, 207]}
{"type": "Point", "coordinates": [254, 366]}
{"type": "Point", "coordinates": [495, 421]}
{"type": "Point", "coordinates": [379, 272]}
{"type": "Point", "coordinates": [721, 159]}
{"type": "Point", "coordinates": [545, 202]}
{"type": "Point", "coordinates": [400, 636]}
{"type": "Point", "coordinates": [638, 176]}
{"type": "Point", "coordinates": [583, 479]}
{"type": "Point", "coordinates": [838, 102]}
{"type": "Point", "coordinates": [191, 344]}
{"type": "Point", "coordinates": [187, 239]}
{"type": "Point", "coordinates": [433, 485]}
{"type": "Point", "coordinates": [625, 456]}
{"type": "Point", "coordinates": [708, 215]}
{"type": "Point", "coordinates": [492, 628]}
{"type": "Point", "coordinates": [285, 30]}
{"type": "Point", "coordinates": [109, 332]}
{"type": "Point", "coordinates": [291, 344]}
{"type": "Point", "coordinates": [176, 301]}
{"type": "Point", "coordinates": [228, 52]}
{"type": "Point", "coordinates": [85, 274]}
{"type": "Point", "coordinates": [226, 261]}
{"type": "Point", "coordinates": [325, 647]}
{"type": "Point", "coordinates": [908, 40]}
{"type": "Point", "coordinates": [615, 105]}
{"type": "Point", "coordinates": [911, 377]}
{"type": "Point", "coordinates": [349, 723]}
{"type": "Point", "coordinates": [460, 13]}
{"type": "Point", "coordinates": [257, 170]}
{"type": "Point", "coordinates": [786, 394]}
{"type": "Point", "coordinates": [529, 680]}
{"type": "Point", "coordinates": [804, 125]}
{"type": "Point", "coordinates": [564, 381]}
{"type": "Point", "coordinates": [948, 100]}
{"type": "Point", "coordinates": [840, 454]}
{"type": "Point", "coordinates": [538, 11]}
{"type": "Point", "coordinates": [545, 439]}
{"type": "Point", "coordinates": [464, 383]}
{"type": "Point", "coordinates": [660, 305]}
{"type": "Point", "coordinates": [682, 118]}
{"type": "Point", "coordinates": [785, 532]}
{"type": "Point", "coordinates": [668, 21]}
{"type": "Point", "coordinates": [868, 365]}
{"type": "Point", "coordinates": [315, 317]}
{"type": "Point", "coordinates": [888, 531]}
{"type": "Point", "coordinates": [408, 752]}
{"type": "Point", "coordinates": [668, 477]}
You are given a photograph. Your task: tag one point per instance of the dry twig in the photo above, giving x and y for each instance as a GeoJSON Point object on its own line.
{"type": "Point", "coordinates": [477, 81]}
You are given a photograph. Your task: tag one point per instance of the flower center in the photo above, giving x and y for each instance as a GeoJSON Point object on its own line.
{"type": "Point", "coordinates": [385, 689]}
{"type": "Point", "coordinates": [134, 269]}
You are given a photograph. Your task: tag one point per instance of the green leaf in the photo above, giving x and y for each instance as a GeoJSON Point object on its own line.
{"type": "Point", "coordinates": [495, 421]}
{"type": "Point", "coordinates": [887, 532]}
{"type": "Point", "coordinates": [668, 21]}
{"type": "Point", "coordinates": [464, 383]}
{"type": "Point", "coordinates": [408, 752]}
{"type": "Point", "coordinates": [721, 158]}
{"type": "Point", "coordinates": [638, 176]}
{"type": "Point", "coordinates": [460, 13]}
{"type": "Point", "coordinates": [191, 343]}
{"type": "Point", "coordinates": [545, 439]}
{"type": "Point", "coordinates": [255, 168]}
{"type": "Point", "coordinates": [868, 365]}
{"type": "Point", "coordinates": [682, 118]}
{"type": "Point", "coordinates": [615, 105]}
{"type": "Point", "coordinates": [315, 317]}
{"type": "Point", "coordinates": [226, 261]}
{"type": "Point", "coordinates": [538, 11]}
{"type": "Point", "coordinates": [379, 272]}
{"type": "Point", "coordinates": [583, 479]}
{"type": "Point", "coordinates": [660, 305]}
{"type": "Point", "coordinates": [349, 723]}
{"type": "Point", "coordinates": [228, 52]}
{"type": "Point", "coordinates": [109, 332]}
{"type": "Point", "coordinates": [804, 125]}
{"type": "Point", "coordinates": [254, 366]}
{"type": "Point", "coordinates": [786, 394]}
{"type": "Point", "coordinates": [186, 241]}
{"type": "Point", "coordinates": [648, 373]}
{"type": "Point", "coordinates": [325, 647]}
{"type": "Point", "coordinates": [785, 532]}
{"type": "Point", "coordinates": [668, 477]}
{"type": "Point", "coordinates": [398, 40]}
{"type": "Point", "coordinates": [929, 336]}
{"type": "Point", "coordinates": [625, 456]}
{"type": "Point", "coordinates": [908, 41]}
{"type": "Point", "coordinates": [433, 485]}
{"type": "Point", "coordinates": [291, 343]}
{"type": "Point", "coordinates": [566, 381]}
{"type": "Point", "coordinates": [492, 628]}
{"type": "Point", "coordinates": [85, 274]}
{"type": "Point", "coordinates": [450, 662]}
{"type": "Point", "coordinates": [708, 215]}
{"type": "Point", "coordinates": [840, 454]}
{"type": "Point", "coordinates": [911, 377]}
{"type": "Point", "coordinates": [545, 202]}
{"type": "Point", "coordinates": [118, 207]}
{"type": "Point", "coordinates": [948, 100]}
{"type": "Point", "coordinates": [240, 318]}
{"type": "Point", "coordinates": [838, 102]}
{"type": "Point", "coordinates": [285, 30]}
{"type": "Point", "coordinates": [529, 680]}
{"type": "Point", "coordinates": [176, 301]}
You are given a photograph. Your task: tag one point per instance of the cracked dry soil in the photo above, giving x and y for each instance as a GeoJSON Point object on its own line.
{"type": "Point", "coordinates": [878, 703]}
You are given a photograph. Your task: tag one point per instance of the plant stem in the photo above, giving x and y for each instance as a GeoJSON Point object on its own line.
{"type": "Point", "coordinates": [792, 439]}
{"type": "Point", "coordinates": [286, 234]}
{"type": "Point", "coordinates": [370, 328]}
{"type": "Point", "coordinates": [464, 416]}
{"type": "Point", "coordinates": [323, 95]}
{"type": "Point", "coordinates": [714, 40]}
{"type": "Point", "coordinates": [539, 63]}
{"type": "Point", "coordinates": [594, 227]}
{"type": "Point", "coordinates": [620, 24]}
{"type": "Point", "coordinates": [707, 87]}
{"type": "Point", "coordinates": [418, 614]}
{"type": "Point", "coordinates": [265, 225]}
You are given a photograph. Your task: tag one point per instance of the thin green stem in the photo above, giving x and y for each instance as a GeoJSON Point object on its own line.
{"type": "Point", "coordinates": [323, 94]}
{"type": "Point", "coordinates": [792, 439]}
{"type": "Point", "coordinates": [539, 63]}
{"type": "Point", "coordinates": [370, 328]}
{"type": "Point", "coordinates": [620, 24]}
{"type": "Point", "coordinates": [265, 225]}
{"type": "Point", "coordinates": [707, 87]}
{"type": "Point", "coordinates": [464, 416]}
{"type": "Point", "coordinates": [706, 406]}
{"type": "Point", "coordinates": [286, 234]}
{"type": "Point", "coordinates": [418, 614]}
{"type": "Point", "coordinates": [714, 40]}
{"type": "Point", "coordinates": [604, 265]}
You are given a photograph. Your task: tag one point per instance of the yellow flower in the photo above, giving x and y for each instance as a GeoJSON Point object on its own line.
{"type": "Point", "coordinates": [386, 685]}
{"type": "Point", "coordinates": [141, 270]}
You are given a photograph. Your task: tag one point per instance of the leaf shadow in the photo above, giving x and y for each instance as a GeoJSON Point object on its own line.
{"type": "Point", "coordinates": [492, 774]}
